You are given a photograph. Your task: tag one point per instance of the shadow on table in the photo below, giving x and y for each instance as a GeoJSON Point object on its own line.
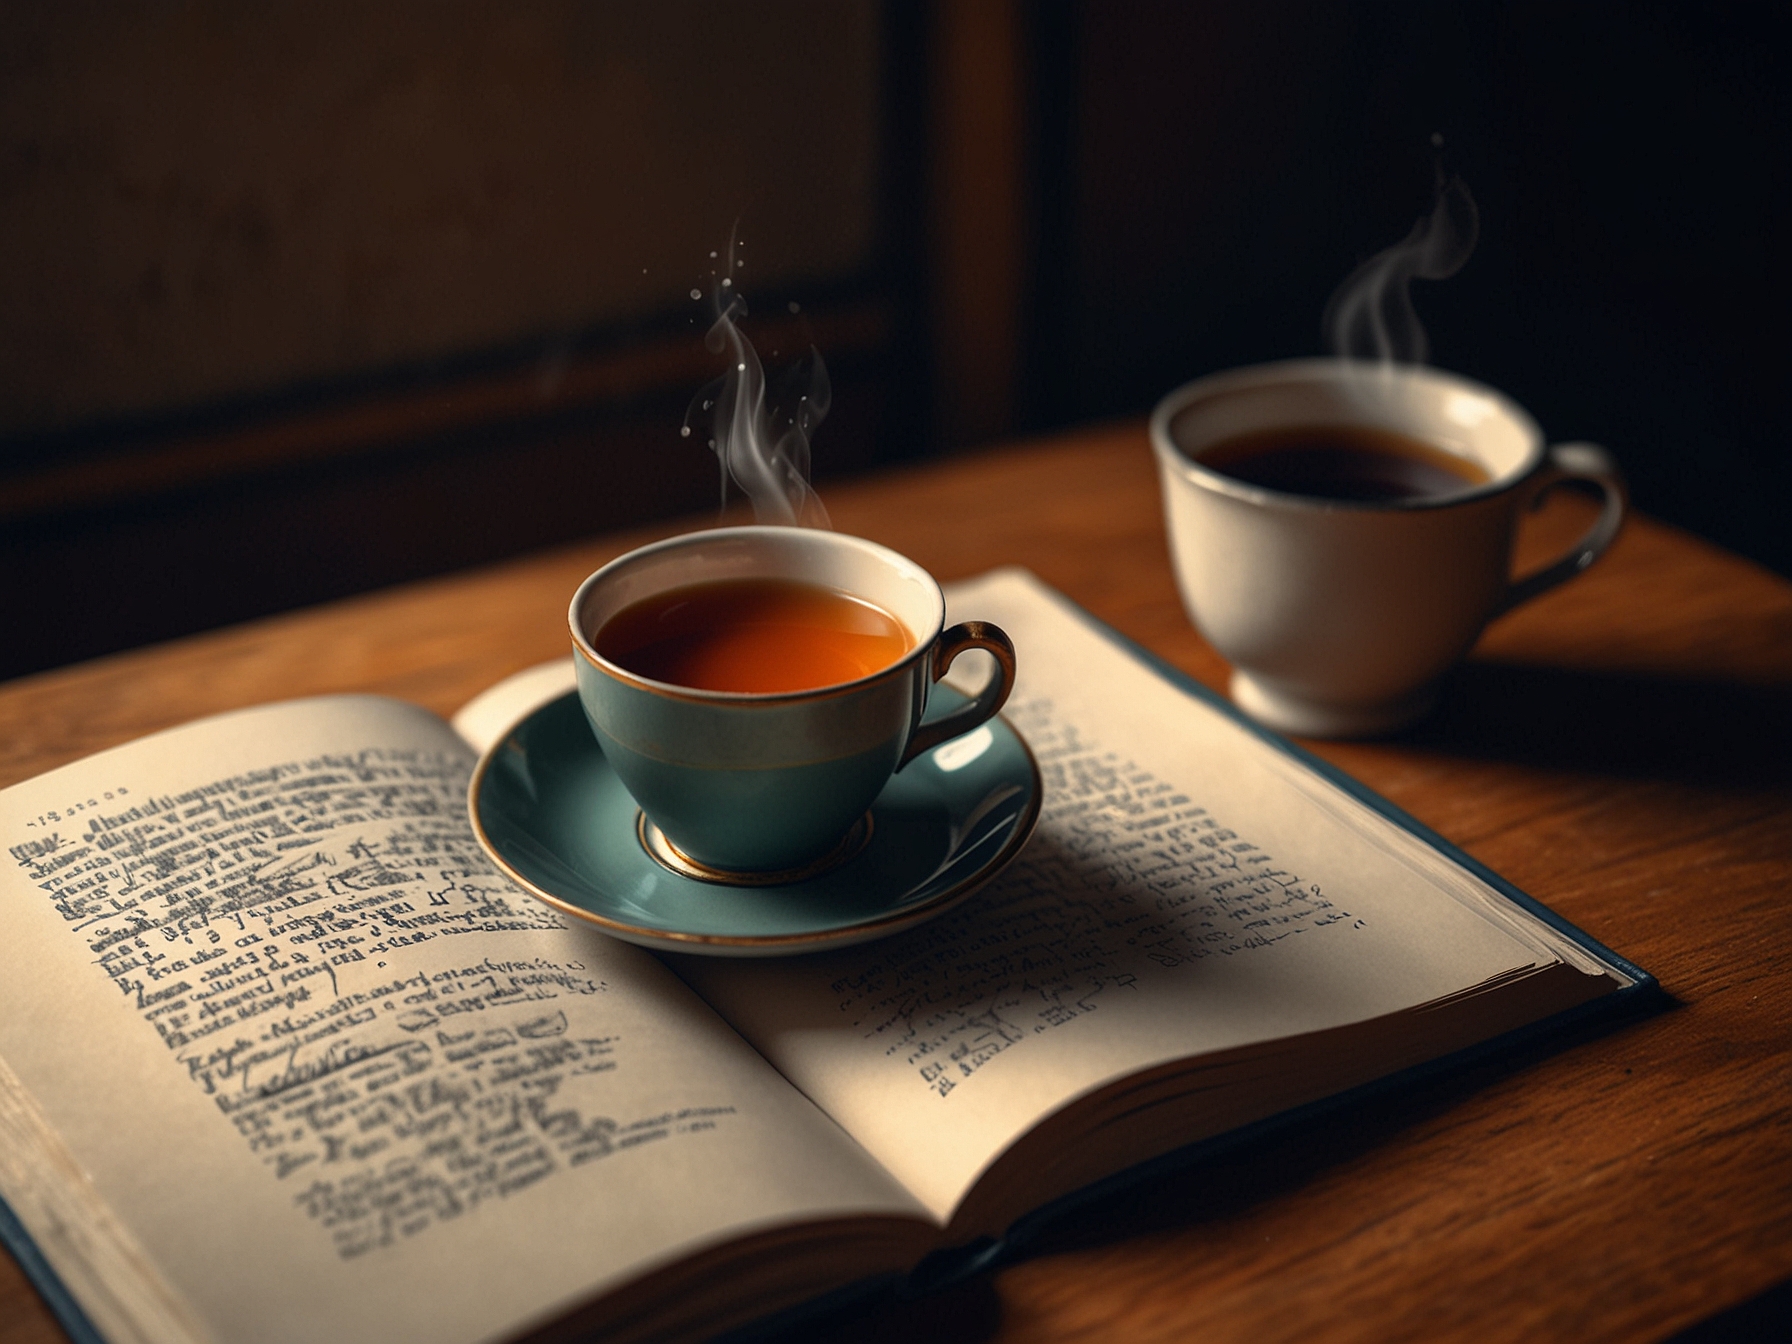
{"type": "Point", "coordinates": [964, 1313]}
{"type": "Point", "coordinates": [1615, 723]}
{"type": "Point", "coordinates": [1756, 1321]}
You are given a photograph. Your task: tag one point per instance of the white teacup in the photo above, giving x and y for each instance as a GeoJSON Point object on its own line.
{"type": "Point", "coordinates": [1340, 616]}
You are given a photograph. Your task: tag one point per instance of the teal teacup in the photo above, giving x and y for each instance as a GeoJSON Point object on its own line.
{"type": "Point", "coordinates": [766, 785]}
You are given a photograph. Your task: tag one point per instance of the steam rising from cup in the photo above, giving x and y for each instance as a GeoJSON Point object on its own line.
{"type": "Point", "coordinates": [1370, 317]}
{"type": "Point", "coordinates": [761, 445]}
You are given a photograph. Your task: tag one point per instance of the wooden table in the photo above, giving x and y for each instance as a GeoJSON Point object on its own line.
{"type": "Point", "coordinates": [1618, 749]}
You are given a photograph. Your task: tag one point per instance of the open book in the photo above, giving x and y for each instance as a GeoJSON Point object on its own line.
{"type": "Point", "coordinates": [284, 1058]}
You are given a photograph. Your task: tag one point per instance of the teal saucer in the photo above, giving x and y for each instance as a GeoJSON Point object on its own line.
{"type": "Point", "coordinates": [553, 816]}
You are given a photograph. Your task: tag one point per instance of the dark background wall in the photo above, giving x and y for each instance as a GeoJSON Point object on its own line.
{"type": "Point", "coordinates": [1228, 165]}
{"type": "Point", "coordinates": [207, 201]}
{"type": "Point", "coordinates": [298, 300]}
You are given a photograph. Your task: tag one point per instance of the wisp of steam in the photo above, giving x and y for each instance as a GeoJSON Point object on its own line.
{"type": "Point", "coordinates": [762, 445]}
{"type": "Point", "coordinates": [1370, 316]}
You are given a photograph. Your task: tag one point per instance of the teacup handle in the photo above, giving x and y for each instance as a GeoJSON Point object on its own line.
{"type": "Point", "coordinates": [1572, 462]}
{"type": "Point", "coordinates": [951, 643]}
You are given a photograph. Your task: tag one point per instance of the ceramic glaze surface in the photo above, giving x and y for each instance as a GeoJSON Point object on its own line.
{"type": "Point", "coordinates": [721, 814]}
{"type": "Point", "coordinates": [1340, 616]}
{"type": "Point", "coordinates": [552, 813]}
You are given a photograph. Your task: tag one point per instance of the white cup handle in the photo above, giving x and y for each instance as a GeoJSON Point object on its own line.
{"type": "Point", "coordinates": [1572, 462]}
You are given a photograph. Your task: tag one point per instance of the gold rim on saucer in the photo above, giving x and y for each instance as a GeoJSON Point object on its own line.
{"type": "Point", "coordinates": [673, 939]}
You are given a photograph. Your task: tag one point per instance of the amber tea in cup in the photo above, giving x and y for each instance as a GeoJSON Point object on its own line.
{"type": "Point", "coordinates": [757, 635]}
{"type": "Point", "coordinates": [1364, 463]}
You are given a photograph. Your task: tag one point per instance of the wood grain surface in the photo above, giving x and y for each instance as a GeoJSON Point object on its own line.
{"type": "Point", "coordinates": [1618, 749]}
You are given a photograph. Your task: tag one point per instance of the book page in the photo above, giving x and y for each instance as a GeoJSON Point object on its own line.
{"type": "Point", "coordinates": [1184, 894]}
{"type": "Point", "coordinates": [499, 708]}
{"type": "Point", "coordinates": [314, 1070]}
